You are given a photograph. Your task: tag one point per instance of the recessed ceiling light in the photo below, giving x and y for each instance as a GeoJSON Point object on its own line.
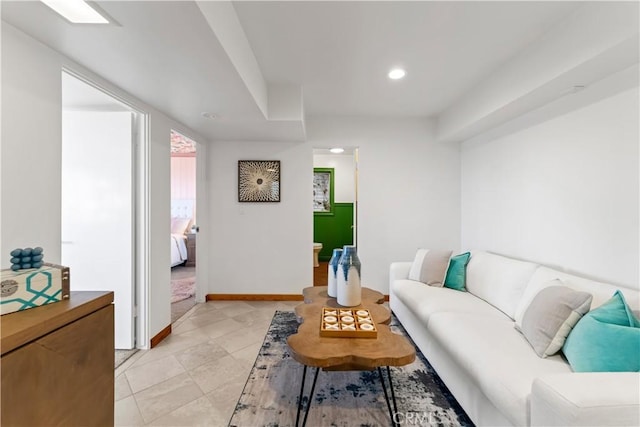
{"type": "Point", "coordinates": [337, 150]}
{"type": "Point", "coordinates": [76, 11]}
{"type": "Point", "coordinates": [208, 115]}
{"type": "Point", "coordinates": [397, 73]}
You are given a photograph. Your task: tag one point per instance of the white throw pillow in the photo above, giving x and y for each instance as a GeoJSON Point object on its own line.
{"type": "Point", "coordinates": [530, 293]}
{"type": "Point", "coordinates": [179, 225]}
{"type": "Point", "coordinates": [430, 266]}
{"type": "Point", "coordinates": [551, 316]}
{"type": "Point", "coordinates": [416, 267]}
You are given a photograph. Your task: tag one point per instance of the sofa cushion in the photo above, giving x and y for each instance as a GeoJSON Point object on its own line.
{"type": "Point", "coordinates": [457, 272]}
{"type": "Point", "coordinates": [600, 291]}
{"type": "Point", "coordinates": [606, 339]}
{"type": "Point", "coordinates": [587, 399]}
{"type": "Point", "coordinates": [498, 280]}
{"type": "Point", "coordinates": [551, 316]}
{"type": "Point", "coordinates": [424, 301]}
{"type": "Point", "coordinates": [496, 356]}
{"type": "Point", "coordinates": [430, 266]}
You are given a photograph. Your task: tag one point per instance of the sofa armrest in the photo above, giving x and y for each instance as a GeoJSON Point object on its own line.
{"type": "Point", "coordinates": [586, 399]}
{"type": "Point", "coordinates": [399, 271]}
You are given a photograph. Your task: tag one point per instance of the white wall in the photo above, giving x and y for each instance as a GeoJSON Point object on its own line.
{"type": "Point", "coordinates": [409, 198]}
{"type": "Point", "coordinates": [262, 248]}
{"type": "Point", "coordinates": [409, 188]}
{"type": "Point", "coordinates": [31, 160]}
{"type": "Point", "coordinates": [563, 193]}
{"type": "Point", "coordinates": [31, 146]}
{"type": "Point", "coordinates": [343, 175]}
{"type": "Point", "coordinates": [183, 177]}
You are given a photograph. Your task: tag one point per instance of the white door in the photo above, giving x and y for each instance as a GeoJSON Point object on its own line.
{"type": "Point", "coordinates": [97, 209]}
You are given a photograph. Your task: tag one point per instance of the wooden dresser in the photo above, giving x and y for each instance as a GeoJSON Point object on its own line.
{"type": "Point", "coordinates": [191, 250]}
{"type": "Point", "coordinates": [57, 366]}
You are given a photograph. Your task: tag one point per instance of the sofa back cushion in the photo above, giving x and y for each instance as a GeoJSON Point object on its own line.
{"type": "Point", "coordinates": [602, 292]}
{"type": "Point", "coordinates": [498, 280]}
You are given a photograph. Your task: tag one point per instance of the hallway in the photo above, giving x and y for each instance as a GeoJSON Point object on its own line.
{"type": "Point", "coordinates": [320, 274]}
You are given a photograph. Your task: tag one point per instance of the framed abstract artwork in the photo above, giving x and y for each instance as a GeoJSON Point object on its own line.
{"type": "Point", "coordinates": [323, 191]}
{"type": "Point", "coordinates": [258, 180]}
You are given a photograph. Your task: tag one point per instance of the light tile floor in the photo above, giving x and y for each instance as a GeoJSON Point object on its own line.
{"type": "Point", "coordinates": [196, 375]}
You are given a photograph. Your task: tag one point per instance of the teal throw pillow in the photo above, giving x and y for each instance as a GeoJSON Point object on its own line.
{"type": "Point", "coordinates": [457, 272]}
{"type": "Point", "coordinates": [607, 339]}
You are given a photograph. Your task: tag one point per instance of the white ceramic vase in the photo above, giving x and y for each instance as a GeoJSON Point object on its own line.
{"type": "Point", "coordinates": [332, 282]}
{"type": "Point", "coordinates": [348, 278]}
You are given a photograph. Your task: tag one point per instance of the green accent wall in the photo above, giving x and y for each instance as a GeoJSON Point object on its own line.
{"type": "Point", "coordinates": [333, 231]}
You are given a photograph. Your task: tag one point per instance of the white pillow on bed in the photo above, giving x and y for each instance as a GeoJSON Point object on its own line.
{"type": "Point", "coordinates": [179, 225]}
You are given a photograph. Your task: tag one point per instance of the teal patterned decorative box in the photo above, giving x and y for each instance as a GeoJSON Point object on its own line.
{"type": "Point", "coordinates": [33, 287]}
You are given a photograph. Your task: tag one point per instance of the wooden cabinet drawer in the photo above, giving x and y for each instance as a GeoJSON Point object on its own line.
{"type": "Point", "coordinates": [64, 378]}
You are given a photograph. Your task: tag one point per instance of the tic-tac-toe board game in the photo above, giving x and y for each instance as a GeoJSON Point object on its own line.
{"type": "Point", "coordinates": [347, 323]}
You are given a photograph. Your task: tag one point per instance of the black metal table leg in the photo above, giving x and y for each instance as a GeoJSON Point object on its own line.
{"type": "Point", "coordinates": [386, 397]}
{"type": "Point", "coordinates": [313, 387]}
{"type": "Point", "coordinates": [393, 393]}
{"type": "Point", "coordinates": [392, 411]}
{"type": "Point", "coordinates": [304, 375]}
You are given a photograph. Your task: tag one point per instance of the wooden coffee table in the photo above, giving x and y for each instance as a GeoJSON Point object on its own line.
{"type": "Point", "coordinates": [347, 354]}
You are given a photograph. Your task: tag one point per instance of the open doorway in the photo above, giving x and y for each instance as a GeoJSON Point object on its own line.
{"type": "Point", "coordinates": [335, 204]}
{"type": "Point", "coordinates": [183, 225]}
{"type": "Point", "coordinates": [101, 136]}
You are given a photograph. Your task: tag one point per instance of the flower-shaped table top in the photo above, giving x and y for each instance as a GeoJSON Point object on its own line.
{"type": "Point", "coordinates": [309, 348]}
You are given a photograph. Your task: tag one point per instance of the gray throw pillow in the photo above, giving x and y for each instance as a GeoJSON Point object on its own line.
{"type": "Point", "coordinates": [430, 266]}
{"type": "Point", "coordinates": [550, 317]}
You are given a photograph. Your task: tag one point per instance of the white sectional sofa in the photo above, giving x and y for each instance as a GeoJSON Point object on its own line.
{"type": "Point", "coordinates": [470, 340]}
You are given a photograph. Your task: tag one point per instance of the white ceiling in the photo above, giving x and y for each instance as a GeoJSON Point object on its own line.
{"type": "Point", "coordinates": [341, 52]}
{"type": "Point", "coordinates": [162, 52]}
{"type": "Point", "coordinates": [167, 54]}
{"type": "Point", "coordinates": [348, 151]}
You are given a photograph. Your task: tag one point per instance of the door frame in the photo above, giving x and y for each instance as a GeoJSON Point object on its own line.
{"type": "Point", "coordinates": [141, 241]}
{"type": "Point", "coordinates": [202, 214]}
{"type": "Point", "coordinates": [355, 157]}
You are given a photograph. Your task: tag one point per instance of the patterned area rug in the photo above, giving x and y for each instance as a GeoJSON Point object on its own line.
{"type": "Point", "coordinates": [182, 289]}
{"type": "Point", "coordinates": [341, 398]}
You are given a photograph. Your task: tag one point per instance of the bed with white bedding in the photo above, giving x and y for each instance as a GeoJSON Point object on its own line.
{"type": "Point", "coordinates": [179, 226]}
{"type": "Point", "coordinates": [178, 249]}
